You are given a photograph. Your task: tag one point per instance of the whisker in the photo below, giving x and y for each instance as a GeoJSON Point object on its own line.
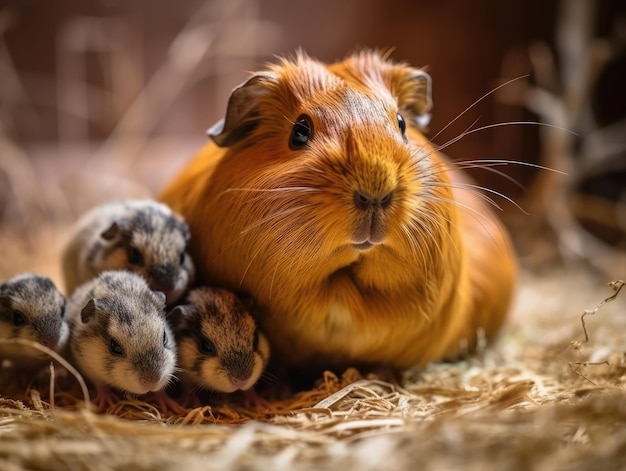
{"type": "Point", "coordinates": [474, 213]}
{"type": "Point", "coordinates": [272, 190]}
{"type": "Point", "coordinates": [488, 168]}
{"type": "Point", "coordinates": [273, 216]}
{"type": "Point", "coordinates": [429, 141]}
{"type": "Point", "coordinates": [467, 186]}
{"type": "Point", "coordinates": [434, 217]}
{"type": "Point", "coordinates": [417, 222]}
{"type": "Point", "coordinates": [507, 162]}
{"type": "Point", "coordinates": [478, 101]}
{"type": "Point", "coordinates": [508, 123]}
{"type": "Point", "coordinates": [414, 243]}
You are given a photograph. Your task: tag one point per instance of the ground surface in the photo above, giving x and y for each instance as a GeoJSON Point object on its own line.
{"type": "Point", "coordinates": [542, 397]}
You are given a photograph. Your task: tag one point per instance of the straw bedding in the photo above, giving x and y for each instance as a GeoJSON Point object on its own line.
{"type": "Point", "coordinates": [549, 394]}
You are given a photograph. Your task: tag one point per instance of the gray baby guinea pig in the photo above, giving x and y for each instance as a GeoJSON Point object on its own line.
{"type": "Point", "coordinates": [31, 307]}
{"type": "Point", "coordinates": [219, 345]}
{"type": "Point", "coordinates": [143, 236]}
{"type": "Point", "coordinates": [119, 335]}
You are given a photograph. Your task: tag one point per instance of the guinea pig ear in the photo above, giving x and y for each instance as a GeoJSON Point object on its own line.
{"type": "Point", "coordinates": [177, 314]}
{"type": "Point", "coordinates": [112, 232]}
{"type": "Point", "coordinates": [89, 311]}
{"type": "Point", "coordinates": [413, 89]}
{"type": "Point", "coordinates": [241, 117]}
{"type": "Point", "coordinates": [161, 296]}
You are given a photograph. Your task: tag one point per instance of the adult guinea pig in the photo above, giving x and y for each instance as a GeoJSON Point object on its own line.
{"type": "Point", "coordinates": [320, 198]}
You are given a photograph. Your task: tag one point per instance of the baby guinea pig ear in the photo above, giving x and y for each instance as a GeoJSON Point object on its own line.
{"type": "Point", "coordinates": [240, 117]}
{"type": "Point", "coordinates": [178, 314]}
{"type": "Point", "coordinates": [115, 228]}
{"type": "Point", "coordinates": [89, 311]}
{"type": "Point", "coordinates": [160, 296]}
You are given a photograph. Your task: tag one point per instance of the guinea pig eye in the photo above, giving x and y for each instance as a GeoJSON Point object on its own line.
{"type": "Point", "coordinates": [401, 124]}
{"type": "Point", "coordinates": [301, 132]}
{"type": "Point", "coordinates": [165, 339]}
{"type": "Point", "coordinates": [255, 342]}
{"type": "Point", "coordinates": [134, 256]}
{"type": "Point", "coordinates": [182, 258]}
{"type": "Point", "coordinates": [18, 319]}
{"type": "Point", "coordinates": [115, 348]}
{"type": "Point", "coordinates": [207, 347]}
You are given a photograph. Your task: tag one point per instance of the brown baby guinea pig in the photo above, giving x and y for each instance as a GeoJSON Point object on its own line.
{"type": "Point", "coordinates": [322, 199]}
{"type": "Point", "coordinates": [219, 345]}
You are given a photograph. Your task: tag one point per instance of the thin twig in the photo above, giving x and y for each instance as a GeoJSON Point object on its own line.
{"type": "Point", "coordinates": [617, 286]}
{"type": "Point", "coordinates": [55, 356]}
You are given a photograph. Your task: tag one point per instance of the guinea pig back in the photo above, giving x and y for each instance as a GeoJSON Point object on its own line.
{"type": "Point", "coordinates": [320, 197]}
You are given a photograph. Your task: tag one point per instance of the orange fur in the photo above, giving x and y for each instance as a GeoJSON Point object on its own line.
{"type": "Point", "coordinates": [279, 223]}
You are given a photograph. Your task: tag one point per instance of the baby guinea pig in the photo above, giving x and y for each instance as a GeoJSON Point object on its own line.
{"type": "Point", "coordinates": [219, 345]}
{"type": "Point", "coordinates": [321, 198]}
{"type": "Point", "coordinates": [31, 307]}
{"type": "Point", "coordinates": [119, 335]}
{"type": "Point", "coordinates": [138, 235]}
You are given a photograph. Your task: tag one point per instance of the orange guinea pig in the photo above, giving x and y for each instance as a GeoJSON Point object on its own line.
{"type": "Point", "coordinates": [320, 197]}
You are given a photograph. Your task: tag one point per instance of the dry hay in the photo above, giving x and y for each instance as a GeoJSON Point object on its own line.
{"type": "Point", "coordinates": [544, 396]}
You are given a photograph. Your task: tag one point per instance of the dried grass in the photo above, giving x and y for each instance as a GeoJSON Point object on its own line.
{"type": "Point", "coordinates": [517, 405]}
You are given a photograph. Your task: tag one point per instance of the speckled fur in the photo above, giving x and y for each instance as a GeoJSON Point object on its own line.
{"type": "Point", "coordinates": [131, 314]}
{"type": "Point", "coordinates": [150, 227]}
{"type": "Point", "coordinates": [228, 322]}
{"type": "Point", "coordinates": [42, 306]}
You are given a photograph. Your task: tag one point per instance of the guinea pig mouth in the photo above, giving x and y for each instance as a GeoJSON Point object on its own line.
{"type": "Point", "coordinates": [363, 246]}
{"type": "Point", "coordinates": [370, 228]}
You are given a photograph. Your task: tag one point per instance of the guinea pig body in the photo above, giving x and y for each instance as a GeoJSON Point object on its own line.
{"type": "Point", "coordinates": [321, 198]}
{"type": "Point", "coordinates": [119, 334]}
{"type": "Point", "coordinates": [143, 236]}
{"type": "Point", "coordinates": [31, 308]}
{"type": "Point", "coordinates": [219, 345]}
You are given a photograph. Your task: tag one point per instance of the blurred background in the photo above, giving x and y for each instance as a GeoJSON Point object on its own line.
{"type": "Point", "coordinates": [107, 98]}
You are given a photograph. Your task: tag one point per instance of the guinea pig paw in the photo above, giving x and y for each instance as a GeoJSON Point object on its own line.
{"type": "Point", "coordinates": [105, 398]}
{"type": "Point", "coordinates": [252, 400]}
{"type": "Point", "coordinates": [166, 404]}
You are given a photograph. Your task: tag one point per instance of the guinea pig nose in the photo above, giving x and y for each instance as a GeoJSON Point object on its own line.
{"type": "Point", "coordinates": [150, 384]}
{"type": "Point", "coordinates": [50, 343]}
{"type": "Point", "coordinates": [238, 383]}
{"type": "Point", "coordinates": [363, 200]}
{"type": "Point", "coordinates": [164, 274]}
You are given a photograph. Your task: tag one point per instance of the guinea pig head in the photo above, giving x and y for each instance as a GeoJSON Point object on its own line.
{"type": "Point", "coordinates": [153, 243]}
{"type": "Point", "coordinates": [32, 308]}
{"type": "Point", "coordinates": [219, 346]}
{"type": "Point", "coordinates": [324, 166]}
{"type": "Point", "coordinates": [126, 345]}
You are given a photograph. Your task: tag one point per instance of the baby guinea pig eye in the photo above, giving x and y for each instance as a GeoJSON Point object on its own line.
{"type": "Point", "coordinates": [135, 257]}
{"type": "Point", "coordinates": [182, 257]}
{"type": "Point", "coordinates": [301, 132]}
{"type": "Point", "coordinates": [255, 341]}
{"type": "Point", "coordinates": [19, 319]}
{"type": "Point", "coordinates": [401, 124]}
{"type": "Point", "coordinates": [115, 348]}
{"type": "Point", "coordinates": [165, 339]}
{"type": "Point", "coordinates": [207, 347]}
